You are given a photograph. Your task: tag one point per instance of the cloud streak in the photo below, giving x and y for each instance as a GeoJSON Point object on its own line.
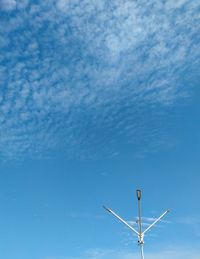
{"type": "Point", "coordinates": [104, 254]}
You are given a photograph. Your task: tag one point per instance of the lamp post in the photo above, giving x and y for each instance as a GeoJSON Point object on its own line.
{"type": "Point", "coordinates": [140, 236]}
{"type": "Point", "coordinates": [140, 233]}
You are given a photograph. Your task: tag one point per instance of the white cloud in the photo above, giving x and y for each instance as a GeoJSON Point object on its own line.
{"type": "Point", "coordinates": [66, 5]}
{"type": "Point", "coordinates": [70, 66]}
{"type": "Point", "coordinates": [8, 5]}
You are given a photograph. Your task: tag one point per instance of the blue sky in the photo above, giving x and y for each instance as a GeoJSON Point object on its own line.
{"type": "Point", "coordinates": [98, 98]}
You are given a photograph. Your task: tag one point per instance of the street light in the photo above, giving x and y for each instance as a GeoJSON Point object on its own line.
{"type": "Point", "coordinates": [140, 233]}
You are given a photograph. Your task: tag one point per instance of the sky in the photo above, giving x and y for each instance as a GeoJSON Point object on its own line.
{"type": "Point", "coordinates": [97, 99]}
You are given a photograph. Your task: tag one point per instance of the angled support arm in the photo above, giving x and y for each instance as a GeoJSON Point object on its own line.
{"type": "Point", "coordinates": [158, 219]}
{"type": "Point", "coordinates": [120, 219]}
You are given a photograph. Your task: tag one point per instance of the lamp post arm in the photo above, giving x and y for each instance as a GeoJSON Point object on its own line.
{"type": "Point", "coordinates": [158, 219]}
{"type": "Point", "coordinates": [122, 220]}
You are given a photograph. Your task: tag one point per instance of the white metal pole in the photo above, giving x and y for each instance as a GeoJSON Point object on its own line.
{"type": "Point", "coordinates": [142, 251]}
{"type": "Point", "coordinates": [139, 213]}
{"type": "Point", "coordinates": [140, 236]}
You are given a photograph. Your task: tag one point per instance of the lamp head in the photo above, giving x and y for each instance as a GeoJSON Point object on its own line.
{"type": "Point", "coordinates": [138, 194]}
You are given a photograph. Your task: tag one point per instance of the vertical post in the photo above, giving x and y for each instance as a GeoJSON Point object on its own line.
{"type": "Point", "coordinates": [139, 212]}
{"type": "Point", "coordinates": [142, 251]}
{"type": "Point", "coordinates": [140, 236]}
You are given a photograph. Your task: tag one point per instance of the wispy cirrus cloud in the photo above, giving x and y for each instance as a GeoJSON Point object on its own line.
{"type": "Point", "coordinates": [147, 221]}
{"type": "Point", "coordinates": [75, 73]}
{"type": "Point", "coordinates": [105, 254]}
